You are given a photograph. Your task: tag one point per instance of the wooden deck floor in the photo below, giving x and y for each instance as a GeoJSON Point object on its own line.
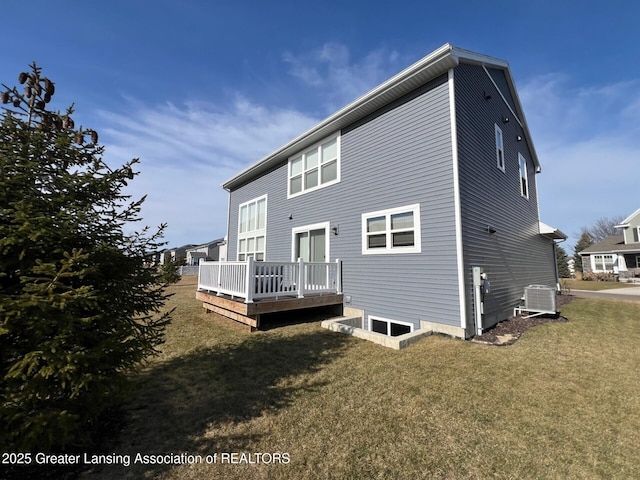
{"type": "Point", "coordinates": [249, 313]}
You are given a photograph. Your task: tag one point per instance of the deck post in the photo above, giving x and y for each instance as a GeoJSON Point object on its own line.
{"type": "Point", "coordinates": [338, 276]}
{"type": "Point", "coordinates": [300, 278]}
{"type": "Point", "coordinates": [250, 281]}
{"type": "Point", "coordinates": [219, 278]}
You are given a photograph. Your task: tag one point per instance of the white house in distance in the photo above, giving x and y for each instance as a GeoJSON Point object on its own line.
{"type": "Point", "coordinates": [617, 254]}
{"type": "Point", "coordinates": [412, 209]}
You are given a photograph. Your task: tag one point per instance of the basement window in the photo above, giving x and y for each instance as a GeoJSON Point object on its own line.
{"type": "Point", "coordinates": [392, 328]}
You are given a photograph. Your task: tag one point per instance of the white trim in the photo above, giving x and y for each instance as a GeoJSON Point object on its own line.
{"type": "Point", "coordinates": [306, 228]}
{"type": "Point", "coordinates": [389, 248]}
{"type": "Point", "coordinates": [258, 232]}
{"type": "Point", "coordinates": [389, 322]}
{"type": "Point", "coordinates": [300, 154]}
{"type": "Point", "coordinates": [613, 256]}
{"type": "Point", "coordinates": [456, 202]}
{"type": "Point", "coordinates": [502, 96]}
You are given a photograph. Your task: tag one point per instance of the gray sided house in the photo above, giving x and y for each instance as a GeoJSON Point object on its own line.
{"type": "Point", "coordinates": [411, 186]}
{"type": "Point", "coordinates": [617, 254]}
{"type": "Point", "coordinates": [175, 254]}
{"type": "Point", "coordinates": [213, 250]}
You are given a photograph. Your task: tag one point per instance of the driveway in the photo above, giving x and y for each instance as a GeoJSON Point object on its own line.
{"type": "Point", "coordinates": [628, 294]}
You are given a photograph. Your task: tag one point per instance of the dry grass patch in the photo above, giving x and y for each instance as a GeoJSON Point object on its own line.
{"type": "Point", "coordinates": [563, 402]}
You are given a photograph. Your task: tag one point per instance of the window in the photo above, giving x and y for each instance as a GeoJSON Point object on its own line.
{"type": "Point", "coordinates": [603, 263]}
{"type": "Point", "coordinates": [636, 234]}
{"type": "Point", "coordinates": [396, 230]}
{"type": "Point", "coordinates": [392, 328]}
{"type": "Point", "coordinates": [317, 167]}
{"type": "Point", "coordinates": [311, 243]}
{"type": "Point", "coordinates": [638, 261]}
{"type": "Point", "coordinates": [499, 148]}
{"type": "Point", "coordinates": [252, 227]}
{"type": "Point", "coordinates": [524, 179]}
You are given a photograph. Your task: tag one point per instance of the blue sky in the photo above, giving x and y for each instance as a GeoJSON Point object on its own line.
{"type": "Point", "coordinates": [201, 89]}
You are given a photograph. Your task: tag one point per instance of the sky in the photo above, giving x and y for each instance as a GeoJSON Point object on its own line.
{"type": "Point", "coordinates": [199, 90]}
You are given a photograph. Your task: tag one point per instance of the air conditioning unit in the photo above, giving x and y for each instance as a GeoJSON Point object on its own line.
{"type": "Point", "coordinates": [539, 300]}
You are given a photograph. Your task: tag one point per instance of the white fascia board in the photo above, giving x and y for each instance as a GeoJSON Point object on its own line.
{"type": "Point", "coordinates": [434, 64]}
{"type": "Point", "coordinates": [376, 98]}
{"type": "Point", "coordinates": [551, 231]}
{"type": "Point", "coordinates": [627, 221]}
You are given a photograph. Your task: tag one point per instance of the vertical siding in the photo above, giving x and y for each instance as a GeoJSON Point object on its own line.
{"type": "Point", "coordinates": [398, 157]}
{"type": "Point", "coordinates": [516, 255]}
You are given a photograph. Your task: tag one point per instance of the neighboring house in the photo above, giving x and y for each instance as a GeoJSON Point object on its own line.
{"type": "Point", "coordinates": [213, 250]}
{"type": "Point", "coordinates": [411, 186]}
{"type": "Point", "coordinates": [175, 254]}
{"type": "Point", "coordinates": [617, 254]}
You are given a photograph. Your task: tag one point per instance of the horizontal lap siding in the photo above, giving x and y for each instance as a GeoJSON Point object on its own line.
{"type": "Point", "coordinates": [516, 255]}
{"type": "Point", "coordinates": [399, 157]}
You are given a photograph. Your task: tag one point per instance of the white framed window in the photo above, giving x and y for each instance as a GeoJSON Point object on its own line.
{"type": "Point", "coordinates": [396, 230]}
{"type": "Point", "coordinates": [252, 229]}
{"type": "Point", "coordinates": [636, 234]}
{"type": "Point", "coordinates": [316, 167]}
{"type": "Point", "coordinates": [637, 261]}
{"type": "Point", "coordinates": [524, 176]}
{"type": "Point", "coordinates": [386, 326]}
{"type": "Point", "coordinates": [603, 263]}
{"type": "Point", "coordinates": [499, 148]}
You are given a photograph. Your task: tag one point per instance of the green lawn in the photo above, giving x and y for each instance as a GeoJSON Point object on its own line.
{"type": "Point", "coordinates": [596, 286]}
{"type": "Point", "coordinates": [562, 402]}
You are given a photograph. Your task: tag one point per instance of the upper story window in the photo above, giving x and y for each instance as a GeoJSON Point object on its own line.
{"type": "Point", "coordinates": [499, 148]}
{"type": "Point", "coordinates": [636, 234]}
{"type": "Point", "coordinates": [316, 167]}
{"type": "Point", "coordinates": [252, 229]}
{"type": "Point", "coordinates": [396, 230]}
{"type": "Point", "coordinates": [524, 178]}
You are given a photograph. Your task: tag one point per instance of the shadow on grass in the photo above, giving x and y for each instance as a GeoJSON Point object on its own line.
{"type": "Point", "coordinates": [213, 390]}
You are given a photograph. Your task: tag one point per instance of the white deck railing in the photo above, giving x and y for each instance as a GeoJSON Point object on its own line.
{"type": "Point", "coordinates": [270, 279]}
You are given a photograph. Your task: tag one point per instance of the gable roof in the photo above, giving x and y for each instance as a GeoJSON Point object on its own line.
{"type": "Point", "coordinates": [612, 244]}
{"type": "Point", "coordinates": [428, 68]}
{"type": "Point", "coordinates": [627, 221]}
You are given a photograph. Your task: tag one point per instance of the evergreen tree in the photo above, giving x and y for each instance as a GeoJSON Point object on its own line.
{"type": "Point", "coordinates": [561, 261]}
{"type": "Point", "coordinates": [79, 305]}
{"type": "Point", "coordinates": [585, 241]}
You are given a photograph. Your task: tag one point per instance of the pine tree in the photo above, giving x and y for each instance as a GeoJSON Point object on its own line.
{"type": "Point", "coordinates": [79, 306]}
{"type": "Point", "coordinates": [585, 241]}
{"type": "Point", "coordinates": [561, 262]}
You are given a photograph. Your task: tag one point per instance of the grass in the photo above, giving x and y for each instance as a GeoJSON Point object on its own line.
{"type": "Point", "coordinates": [562, 402]}
{"type": "Point", "coordinates": [596, 286]}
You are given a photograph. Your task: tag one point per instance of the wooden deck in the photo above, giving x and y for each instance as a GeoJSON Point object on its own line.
{"type": "Point", "coordinates": [249, 313]}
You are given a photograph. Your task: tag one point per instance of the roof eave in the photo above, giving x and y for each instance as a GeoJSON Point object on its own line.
{"type": "Point", "coordinates": [434, 64]}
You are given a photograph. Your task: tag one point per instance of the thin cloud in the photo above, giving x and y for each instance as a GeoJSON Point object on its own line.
{"type": "Point", "coordinates": [588, 140]}
{"type": "Point", "coordinates": [188, 151]}
{"type": "Point", "coordinates": [336, 77]}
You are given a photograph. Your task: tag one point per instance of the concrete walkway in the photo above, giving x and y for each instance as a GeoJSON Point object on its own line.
{"type": "Point", "coordinates": [628, 294]}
